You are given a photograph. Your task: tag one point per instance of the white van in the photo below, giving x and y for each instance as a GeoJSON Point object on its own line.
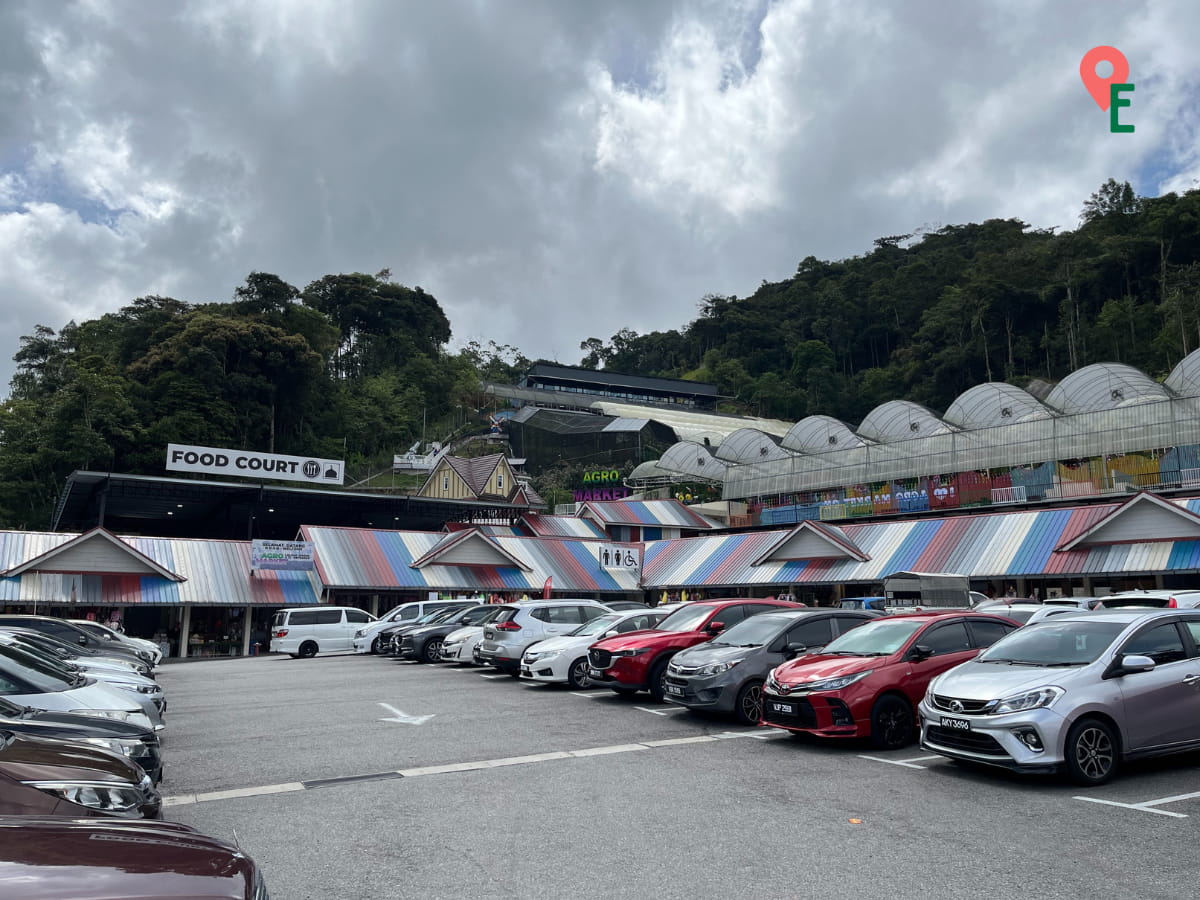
{"type": "Point", "coordinates": [316, 629]}
{"type": "Point", "coordinates": [366, 638]}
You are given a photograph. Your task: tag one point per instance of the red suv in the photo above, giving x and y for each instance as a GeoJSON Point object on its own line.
{"type": "Point", "coordinates": [637, 661]}
{"type": "Point", "coordinates": [868, 682]}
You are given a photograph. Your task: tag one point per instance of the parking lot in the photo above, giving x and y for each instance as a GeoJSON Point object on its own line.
{"type": "Point", "coordinates": [358, 777]}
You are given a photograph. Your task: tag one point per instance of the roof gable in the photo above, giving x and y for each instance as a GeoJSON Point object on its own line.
{"type": "Point", "coordinates": [651, 513]}
{"type": "Point", "coordinates": [811, 540]}
{"type": "Point", "coordinates": [1145, 518]}
{"type": "Point", "coordinates": [98, 551]}
{"type": "Point", "coordinates": [468, 548]}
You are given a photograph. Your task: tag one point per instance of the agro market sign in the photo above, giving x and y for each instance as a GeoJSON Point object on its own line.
{"type": "Point", "coordinates": [289, 555]}
{"type": "Point", "coordinates": [602, 484]}
{"type": "Point", "coordinates": [620, 557]}
{"type": "Point", "coordinates": [249, 464]}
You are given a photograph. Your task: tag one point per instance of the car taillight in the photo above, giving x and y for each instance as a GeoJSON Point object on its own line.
{"type": "Point", "coordinates": [1171, 604]}
{"type": "Point", "coordinates": [281, 633]}
{"type": "Point", "coordinates": [507, 626]}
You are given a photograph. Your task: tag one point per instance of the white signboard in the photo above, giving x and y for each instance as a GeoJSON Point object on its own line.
{"type": "Point", "coordinates": [250, 464]}
{"type": "Point", "coordinates": [290, 555]}
{"type": "Point", "coordinates": [620, 557]}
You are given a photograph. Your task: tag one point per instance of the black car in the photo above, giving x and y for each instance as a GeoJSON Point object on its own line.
{"type": "Point", "coordinates": [66, 631]}
{"type": "Point", "coordinates": [727, 673]}
{"type": "Point", "coordinates": [389, 638]}
{"type": "Point", "coordinates": [138, 744]}
{"type": "Point", "coordinates": [424, 642]}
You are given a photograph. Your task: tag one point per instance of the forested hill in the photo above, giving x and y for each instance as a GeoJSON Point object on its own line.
{"type": "Point", "coordinates": [926, 317]}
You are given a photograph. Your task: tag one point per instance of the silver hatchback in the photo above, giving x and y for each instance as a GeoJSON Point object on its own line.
{"type": "Point", "coordinates": [1078, 693]}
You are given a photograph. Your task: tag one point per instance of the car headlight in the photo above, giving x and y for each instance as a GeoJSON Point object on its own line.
{"type": "Point", "coordinates": [833, 684]}
{"type": "Point", "coordinates": [542, 656]}
{"type": "Point", "coordinates": [122, 748]}
{"type": "Point", "coordinates": [1029, 700]}
{"type": "Point", "coordinates": [360, 632]}
{"type": "Point", "coordinates": [132, 716]}
{"type": "Point", "coordinates": [717, 668]}
{"type": "Point", "coordinates": [638, 652]}
{"type": "Point", "coordinates": [136, 688]}
{"type": "Point", "coordinates": [100, 795]}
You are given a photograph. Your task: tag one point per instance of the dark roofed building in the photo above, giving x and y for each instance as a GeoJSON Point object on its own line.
{"type": "Point", "coordinates": [633, 388]}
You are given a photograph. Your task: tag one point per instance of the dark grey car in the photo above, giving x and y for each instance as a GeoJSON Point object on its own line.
{"type": "Point", "coordinates": [726, 674]}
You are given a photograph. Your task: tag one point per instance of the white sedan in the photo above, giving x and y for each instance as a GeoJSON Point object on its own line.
{"type": "Point", "coordinates": [564, 658]}
{"type": "Point", "coordinates": [459, 645]}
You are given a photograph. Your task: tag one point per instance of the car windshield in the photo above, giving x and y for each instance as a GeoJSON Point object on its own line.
{"type": "Point", "coordinates": [1054, 643]}
{"type": "Point", "coordinates": [882, 637]}
{"type": "Point", "coordinates": [686, 618]}
{"type": "Point", "coordinates": [39, 674]}
{"type": "Point", "coordinates": [439, 615]}
{"type": "Point", "coordinates": [753, 632]}
{"type": "Point", "coordinates": [10, 710]}
{"type": "Point", "coordinates": [595, 626]}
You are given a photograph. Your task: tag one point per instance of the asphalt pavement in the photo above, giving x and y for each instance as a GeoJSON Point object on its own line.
{"type": "Point", "coordinates": [359, 777]}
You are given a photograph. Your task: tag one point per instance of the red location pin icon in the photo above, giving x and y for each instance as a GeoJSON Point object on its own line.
{"type": "Point", "coordinates": [1097, 86]}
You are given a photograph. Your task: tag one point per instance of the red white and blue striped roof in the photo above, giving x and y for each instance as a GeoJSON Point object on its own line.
{"type": "Point", "coordinates": [370, 559]}
{"type": "Point", "coordinates": [989, 545]}
{"type": "Point", "coordinates": [647, 513]}
{"type": "Point", "coordinates": [216, 573]}
{"type": "Point", "coordinates": [562, 526]}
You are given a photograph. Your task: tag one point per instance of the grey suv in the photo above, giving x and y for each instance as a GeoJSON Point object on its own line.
{"type": "Point", "coordinates": [518, 625]}
{"type": "Point", "coordinates": [1079, 692]}
{"type": "Point", "coordinates": [727, 673]}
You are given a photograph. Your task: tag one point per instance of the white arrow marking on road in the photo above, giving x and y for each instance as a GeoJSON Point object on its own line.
{"type": "Point", "coordinates": [402, 717]}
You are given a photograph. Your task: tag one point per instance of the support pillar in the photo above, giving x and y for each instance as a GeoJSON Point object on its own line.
{"type": "Point", "coordinates": [375, 605]}
{"type": "Point", "coordinates": [184, 628]}
{"type": "Point", "coordinates": [247, 621]}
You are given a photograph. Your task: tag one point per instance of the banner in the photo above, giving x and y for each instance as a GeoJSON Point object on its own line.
{"type": "Point", "coordinates": [249, 464]}
{"type": "Point", "coordinates": [289, 555]}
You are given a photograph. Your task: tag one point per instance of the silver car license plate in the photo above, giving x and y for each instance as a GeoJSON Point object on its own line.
{"type": "Point", "coordinates": [956, 724]}
{"type": "Point", "coordinates": [673, 689]}
{"type": "Point", "coordinates": [783, 708]}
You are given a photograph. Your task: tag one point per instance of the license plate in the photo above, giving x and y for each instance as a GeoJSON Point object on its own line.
{"type": "Point", "coordinates": [783, 708]}
{"type": "Point", "coordinates": [489, 634]}
{"type": "Point", "coordinates": [672, 689]}
{"type": "Point", "coordinates": [956, 724]}
{"type": "Point", "coordinates": [525, 670]}
{"type": "Point", "coordinates": [595, 673]}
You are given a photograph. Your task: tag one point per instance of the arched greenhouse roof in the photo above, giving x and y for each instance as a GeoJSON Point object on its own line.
{"type": "Point", "coordinates": [901, 420]}
{"type": "Point", "coordinates": [690, 458]}
{"type": "Point", "coordinates": [821, 434]}
{"type": "Point", "coordinates": [1105, 386]}
{"type": "Point", "coordinates": [750, 445]}
{"type": "Point", "coordinates": [1185, 377]}
{"type": "Point", "coordinates": [994, 403]}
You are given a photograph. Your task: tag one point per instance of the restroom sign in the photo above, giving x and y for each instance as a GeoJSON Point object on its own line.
{"type": "Point", "coordinates": [621, 557]}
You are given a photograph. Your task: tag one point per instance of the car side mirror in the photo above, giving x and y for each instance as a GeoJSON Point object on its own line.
{"type": "Point", "coordinates": [919, 652]}
{"type": "Point", "coordinates": [1129, 664]}
{"type": "Point", "coordinates": [716, 627]}
{"type": "Point", "coordinates": [791, 651]}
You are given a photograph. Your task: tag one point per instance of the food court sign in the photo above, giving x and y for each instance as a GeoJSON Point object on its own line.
{"type": "Point", "coordinates": [286, 555]}
{"type": "Point", "coordinates": [249, 464]}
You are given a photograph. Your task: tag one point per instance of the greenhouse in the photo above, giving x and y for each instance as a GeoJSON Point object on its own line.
{"type": "Point", "coordinates": [1105, 428]}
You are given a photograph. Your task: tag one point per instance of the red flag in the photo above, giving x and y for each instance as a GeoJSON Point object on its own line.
{"type": "Point", "coordinates": [547, 588]}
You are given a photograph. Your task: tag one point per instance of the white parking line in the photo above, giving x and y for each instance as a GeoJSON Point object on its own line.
{"type": "Point", "coordinates": [590, 696]}
{"type": "Point", "coordinates": [1140, 807]}
{"type": "Point", "coordinates": [662, 711]}
{"type": "Point", "coordinates": [896, 762]}
{"type": "Point", "coordinates": [500, 675]}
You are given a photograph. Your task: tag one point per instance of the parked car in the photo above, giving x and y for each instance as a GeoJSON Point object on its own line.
{"type": "Point", "coordinates": [72, 634]}
{"type": "Point", "coordinates": [868, 682]}
{"type": "Point", "coordinates": [28, 681]}
{"type": "Point", "coordinates": [876, 603]}
{"type": "Point", "coordinates": [74, 654]}
{"type": "Point", "coordinates": [518, 625]}
{"type": "Point", "coordinates": [1078, 693]}
{"type": "Point", "coordinates": [726, 674]}
{"type": "Point", "coordinates": [367, 638]}
{"type": "Point", "coordinates": [119, 638]}
{"type": "Point", "coordinates": [54, 858]}
{"type": "Point", "coordinates": [1074, 602]}
{"type": "Point", "coordinates": [623, 604]}
{"type": "Point", "coordinates": [1018, 611]}
{"type": "Point", "coordinates": [424, 643]}
{"type": "Point", "coordinates": [1156, 599]}
{"type": "Point", "coordinates": [141, 745]}
{"type": "Point", "coordinates": [310, 630]}
{"type": "Point", "coordinates": [55, 778]}
{"type": "Point", "coordinates": [461, 645]}
{"type": "Point", "coordinates": [638, 661]}
{"type": "Point", "coordinates": [1050, 612]}
{"type": "Point", "coordinates": [390, 638]}
{"type": "Point", "coordinates": [565, 658]}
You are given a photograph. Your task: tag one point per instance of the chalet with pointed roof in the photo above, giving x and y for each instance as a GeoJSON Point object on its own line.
{"type": "Point", "coordinates": [487, 478]}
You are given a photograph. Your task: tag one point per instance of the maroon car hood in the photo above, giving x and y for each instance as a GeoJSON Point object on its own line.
{"type": "Point", "coordinates": [821, 666]}
{"type": "Point", "coordinates": [658, 640]}
{"type": "Point", "coordinates": [34, 759]}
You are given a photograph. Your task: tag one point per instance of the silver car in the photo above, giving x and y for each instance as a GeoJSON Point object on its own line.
{"type": "Point", "coordinates": [1078, 693]}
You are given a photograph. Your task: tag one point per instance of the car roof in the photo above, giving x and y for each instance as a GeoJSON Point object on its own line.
{"type": "Point", "coordinates": [1129, 615]}
{"type": "Point", "coordinates": [942, 613]}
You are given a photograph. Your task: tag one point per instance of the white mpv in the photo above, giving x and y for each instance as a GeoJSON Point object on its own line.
{"type": "Point", "coordinates": [316, 629]}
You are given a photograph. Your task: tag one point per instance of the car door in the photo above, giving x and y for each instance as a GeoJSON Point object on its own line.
{"type": "Point", "coordinates": [949, 646]}
{"type": "Point", "coordinates": [1162, 706]}
{"type": "Point", "coordinates": [561, 619]}
{"type": "Point", "coordinates": [810, 633]}
{"type": "Point", "coordinates": [329, 630]}
{"type": "Point", "coordinates": [355, 619]}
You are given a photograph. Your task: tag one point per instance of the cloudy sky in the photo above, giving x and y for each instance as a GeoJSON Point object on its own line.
{"type": "Point", "coordinates": [550, 170]}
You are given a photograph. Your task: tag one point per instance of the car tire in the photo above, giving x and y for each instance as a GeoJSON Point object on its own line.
{"type": "Point", "coordinates": [577, 673]}
{"type": "Point", "coordinates": [308, 650]}
{"type": "Point", "coordinates": [658, 673]}
{"type": "Point", "coordinates": [432, 651]}
{"type": "Point", "coordinates": [892, 723]}
{"type": "Point", "coordinates": [1092, 752]}
{"type": "Point", "coordinates": [748, 707]}
{"type": "Point", "coordinates": [376, 648]}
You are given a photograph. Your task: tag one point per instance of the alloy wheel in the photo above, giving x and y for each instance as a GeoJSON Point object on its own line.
{"type": "Point", "coordinates": [1094, 752]}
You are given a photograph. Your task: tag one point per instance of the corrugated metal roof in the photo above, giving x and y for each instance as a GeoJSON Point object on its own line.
{"type": "Point", "coordinates": [991, 545]}
{"type": "Point", "coordinates": [217, 573]}
{"type": "Point", "coordinates": [623, 423]}
{"type": "Point", "coordinates": [369, 559]}
{"type": "Point", "coordinates": [562, 526]}
{"type": "Point", "coordinates": [665, 513]}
